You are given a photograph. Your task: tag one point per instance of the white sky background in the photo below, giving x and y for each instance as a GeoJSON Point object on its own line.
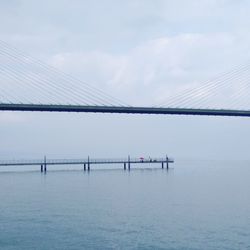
{"type": "Point", "coordinates": [140, 52]}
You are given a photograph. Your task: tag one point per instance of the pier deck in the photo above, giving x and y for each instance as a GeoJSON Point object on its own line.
{"type": "Point", "coordinates": [86, 163]}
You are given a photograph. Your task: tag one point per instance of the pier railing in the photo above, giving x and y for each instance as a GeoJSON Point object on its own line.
{"type": "Point", "coordinates": [23, 162]}
{"type": "Point", "coordinates": [43, 163]}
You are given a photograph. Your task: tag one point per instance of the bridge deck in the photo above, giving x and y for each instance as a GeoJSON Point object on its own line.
{"type": "Point", "coordinates": [122, 110]}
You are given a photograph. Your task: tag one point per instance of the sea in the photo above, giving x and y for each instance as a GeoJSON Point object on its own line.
{"type": "Point", "coordinates": [196, 204]}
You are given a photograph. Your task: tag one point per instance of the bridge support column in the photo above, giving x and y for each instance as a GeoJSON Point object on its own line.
{"type": "Point", "coordinates": [84, 166]}
{"type": "Point", "coordinates": [41, 168]}
{"type": "Point", "coordinates": [162, 165]}
{"type": "Point", "coordinates": [124, 166]}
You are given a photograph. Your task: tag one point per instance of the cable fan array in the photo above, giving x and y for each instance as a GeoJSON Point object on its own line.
{"type": "Point", "coordinates": [26, 80]}
{"type": "Point", "coordinates": [230, 90]}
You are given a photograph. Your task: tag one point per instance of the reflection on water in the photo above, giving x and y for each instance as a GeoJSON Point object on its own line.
{"type": "Point", "coordinates": [196, 205]}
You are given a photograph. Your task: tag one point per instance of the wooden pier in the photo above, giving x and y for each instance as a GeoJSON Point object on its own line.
{"type": "Point", "coordinates": [126, 163]}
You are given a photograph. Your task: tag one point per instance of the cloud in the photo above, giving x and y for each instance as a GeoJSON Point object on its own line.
{"type": "Point", "coordinates": [113, 25]}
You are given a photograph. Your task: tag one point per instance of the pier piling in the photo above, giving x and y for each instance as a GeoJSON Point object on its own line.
{"type": "Point", "coordinates": [129, 163]}
{"type": "Point", "coordinates": [45, 164]}
{"type": "Point", "coordinates": [88, 164]}
{"type": "Point", "coordinates": [167, 161]}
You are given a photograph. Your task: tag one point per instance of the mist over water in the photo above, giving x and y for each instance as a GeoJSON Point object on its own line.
{"type": "Point", "coordinates": [196, 205]}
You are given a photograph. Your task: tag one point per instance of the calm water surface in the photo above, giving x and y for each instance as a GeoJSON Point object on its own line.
{"type": "Point", "coordinates": [196, 205]}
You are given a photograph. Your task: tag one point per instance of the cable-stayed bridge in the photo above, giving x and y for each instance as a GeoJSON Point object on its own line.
{"type": "Point", "coordinates": [28, 84]}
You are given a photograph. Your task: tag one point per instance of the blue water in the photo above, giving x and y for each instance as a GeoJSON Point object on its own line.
{"type": "Point", "coordinates": [196, 205]}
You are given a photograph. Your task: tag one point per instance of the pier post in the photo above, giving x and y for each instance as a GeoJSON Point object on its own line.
{"type": "Point", "coordinates": [167, 162]}
{"type": "Point", "coordinates": [162, 165]}
{"type": "Point", "coordinates": [129, 163]}
{"type": "Point", "coordinates": [84, 166]}
{"type": "Point", "coordinates": [125, 166]}
{"type": "Point", "coordinates": [45, 164]}
{"type": "Point", "coordinates": [41, 168]}
{"type": "Point", "coordinates": [88, 164]}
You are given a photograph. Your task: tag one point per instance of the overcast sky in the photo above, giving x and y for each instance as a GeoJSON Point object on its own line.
{"type": "Point", "coordinates": [141, 52]}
